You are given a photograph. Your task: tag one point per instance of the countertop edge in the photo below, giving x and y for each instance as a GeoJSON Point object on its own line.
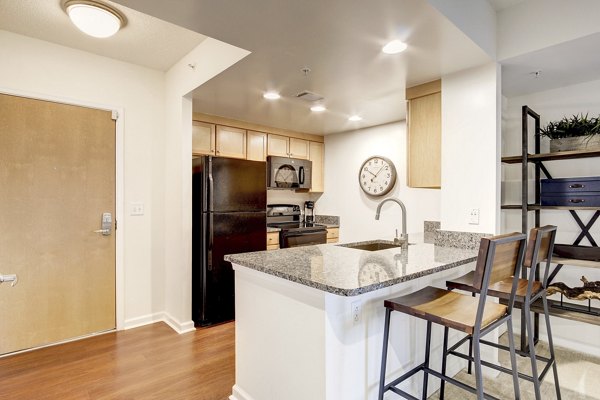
{"type": "Point", "coordinates": [351, 292]}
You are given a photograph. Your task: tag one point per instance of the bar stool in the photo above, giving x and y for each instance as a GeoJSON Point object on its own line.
{"type": "Point", "coordinates": [475, 317]}
{"type": "Point", "coordinates": [539, 248]}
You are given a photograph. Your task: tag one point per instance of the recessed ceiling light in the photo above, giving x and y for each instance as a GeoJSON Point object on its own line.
{"type": "Point", "coordinates": [271, 95]}
{"type": "Point", "coordinates": [394, 47]}
{"type": "Point", "coordinates": [318, 108]}
{"type": "Point", "coordinates": [94, 18]}
{"type": "Point", "coordinates": [355, 118]}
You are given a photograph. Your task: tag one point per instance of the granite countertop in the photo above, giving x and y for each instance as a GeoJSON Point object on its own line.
{"type": "Point", "coordinates": [349, 272]}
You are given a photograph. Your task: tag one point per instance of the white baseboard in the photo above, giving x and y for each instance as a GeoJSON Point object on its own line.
{"type": "Point", "coordinates": [239, 394]}
{"type": "Point", "coordinates": [179, 327]}
{"type": "Point", "coordinates": [143, 320]}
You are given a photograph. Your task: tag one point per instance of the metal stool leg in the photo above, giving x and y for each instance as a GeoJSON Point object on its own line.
{"type": "Point", "coordinates": [445, 350]}
{"type": "Point", "coordinates": [386, 333]}
{"type": "Point", "coordinates": [551, 346]}
{"type": "Point", "coordinates": [477, 364]}
{"type": "Point", "coordinates": [470, 349]}
{"type": "Point", "coordinates": [426, 362]}
{"type": "Point", "coordinates": [531, 339]}
{"type": "Point", "coordinates": [513, 359]}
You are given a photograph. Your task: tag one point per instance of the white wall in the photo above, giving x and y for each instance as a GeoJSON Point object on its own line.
{"type": "Point", "coordinates": [38, 67]}
{"type": "Point", "coordinates": [344, 154]}
{"type": "Point", "coordinates": [553, 105]}
{"type": "Point", "coordinates": [210, 58]}
{"type": "Point", "coordinates": [470, 149]}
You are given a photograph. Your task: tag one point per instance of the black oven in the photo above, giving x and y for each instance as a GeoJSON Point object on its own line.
{"type": "Point", "coordinates": [302, 237]}
{"type": "Point", "coordinates": [293, 231]}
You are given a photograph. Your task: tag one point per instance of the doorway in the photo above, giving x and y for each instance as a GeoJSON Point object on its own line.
{"type": "Point", "coordinates": [57, 180]}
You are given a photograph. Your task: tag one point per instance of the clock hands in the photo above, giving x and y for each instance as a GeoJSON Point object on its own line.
{"type": "Point", "coordinates": [378, 171]}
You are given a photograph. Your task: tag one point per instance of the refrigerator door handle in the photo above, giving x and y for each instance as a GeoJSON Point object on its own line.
{"type": "Point", "coordinates": [209, 245]}
{"type": "Point", "coordinates": [301, 175]}
{"type": "Point", "coordinates": [210, 204]}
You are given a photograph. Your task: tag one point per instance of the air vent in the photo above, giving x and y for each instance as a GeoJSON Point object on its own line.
{"type": "Point", "coordinates": [309, 96]}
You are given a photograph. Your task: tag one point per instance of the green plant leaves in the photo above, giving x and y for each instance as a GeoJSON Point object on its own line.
{"type": "Point", "coordinates": [577, 125]}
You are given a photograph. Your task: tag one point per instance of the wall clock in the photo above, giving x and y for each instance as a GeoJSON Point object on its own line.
{"type": "Point", "coordinates": [377, 176]}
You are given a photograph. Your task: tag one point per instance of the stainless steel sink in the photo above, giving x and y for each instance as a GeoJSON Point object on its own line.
{"type": "Point", "coordinates": [373, 245]}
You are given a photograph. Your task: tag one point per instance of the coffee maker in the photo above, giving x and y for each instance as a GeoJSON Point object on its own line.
{"type": "Point", "coordinates": [309, 207]}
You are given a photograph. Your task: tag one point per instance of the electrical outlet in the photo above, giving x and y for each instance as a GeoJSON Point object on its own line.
{"type": "Point", "coordinates": [474, 216]}
{"type": "Point", "coordinates": [356, 311]}
{"type": "Point", "coordinates": [137, 209]}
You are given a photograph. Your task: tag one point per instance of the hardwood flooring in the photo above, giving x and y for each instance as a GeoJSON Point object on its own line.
{"type": "Point", "coordinates": [151, 362]}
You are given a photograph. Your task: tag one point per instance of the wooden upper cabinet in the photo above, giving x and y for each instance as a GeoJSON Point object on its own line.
{"type": "Point", "coordinates": [230, 142]}
{"type": "Point", "coordinates": [299, 148]}
{"type": "Point", "coordinates": [284, 146]}
{"type": "Point", "coordinates": [256, 146]}
{"type": "Point", "coordinates": [203, 138]}
{"type": "Point", "coordinates": [424, 138]}
{"type": "Point", "coordinates": [278, 146]}
{"type": "Point", "coordinates": [316, 155]}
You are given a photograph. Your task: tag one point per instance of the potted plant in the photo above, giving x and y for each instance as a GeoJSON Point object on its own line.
{"type": "Point", "coordinates": [578, 132]}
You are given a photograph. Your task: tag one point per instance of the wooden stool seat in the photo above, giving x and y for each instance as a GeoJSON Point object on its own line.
{"type": "Point", "coordinates": [454, 310]}
{"type": "Point", "coordinates": [499, 289]}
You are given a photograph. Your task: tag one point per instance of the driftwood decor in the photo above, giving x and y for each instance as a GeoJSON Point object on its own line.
{"type": "Point", "coordinates": [589, 290]}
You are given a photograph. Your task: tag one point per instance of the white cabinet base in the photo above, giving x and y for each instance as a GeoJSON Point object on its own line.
{"type": "Point", "coordinates": [294, 342]}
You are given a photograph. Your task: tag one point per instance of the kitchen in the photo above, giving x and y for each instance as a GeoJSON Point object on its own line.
{"type": "Point", "coordinates": [158, 252]}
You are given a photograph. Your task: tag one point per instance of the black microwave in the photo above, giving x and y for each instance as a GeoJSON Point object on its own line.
{"type": "Point", "coordinates": [288, 173]}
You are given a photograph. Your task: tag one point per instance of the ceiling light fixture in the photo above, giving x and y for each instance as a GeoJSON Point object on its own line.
{"type": "Point", "coordinates": [318, 108]}
{"type": "Point", "coordinates": [355, 118]}
{"type": "Point", "coordinates": [94, 18]}
{"type": "Point", "coordinates": [394, 47]}
{"type": "Point", "coordinates": [271, 95]}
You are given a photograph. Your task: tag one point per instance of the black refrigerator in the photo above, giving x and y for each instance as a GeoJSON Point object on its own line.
{"type": "Point", "coordinates": [229, 216]}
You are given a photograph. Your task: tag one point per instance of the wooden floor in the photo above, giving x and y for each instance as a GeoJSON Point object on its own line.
{"type": "Point", "coordinates": [151, 362]}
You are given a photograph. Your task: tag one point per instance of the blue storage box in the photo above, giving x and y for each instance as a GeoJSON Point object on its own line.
{"type": "Point", "coordinates": [571, 192]}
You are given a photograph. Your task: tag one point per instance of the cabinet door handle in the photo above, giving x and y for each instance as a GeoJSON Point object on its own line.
{"type": "Point", "coordinates": [576, 186]}
{"type": "Point", "coordinates": [577, 200]}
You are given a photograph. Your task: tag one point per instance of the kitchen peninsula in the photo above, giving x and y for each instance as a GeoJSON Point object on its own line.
{"type": "Point", "coordinates": [309, 320]}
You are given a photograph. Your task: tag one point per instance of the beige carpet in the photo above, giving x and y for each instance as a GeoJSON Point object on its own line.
{"type": "Point", "coordinates": [578, 375]}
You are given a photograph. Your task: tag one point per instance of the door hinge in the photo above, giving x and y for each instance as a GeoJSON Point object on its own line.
{"type": "Point", "coordinates": [115, 224]}
{"type": "Point", "coordinates": [114, 115]}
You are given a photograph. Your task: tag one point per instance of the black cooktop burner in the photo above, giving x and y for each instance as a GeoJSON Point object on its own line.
{"type": "Point", "coordinates": [297, 226]}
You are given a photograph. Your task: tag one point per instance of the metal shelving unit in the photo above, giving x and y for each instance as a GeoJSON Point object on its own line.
{"type": "Point", "coordinates": [538, 160]}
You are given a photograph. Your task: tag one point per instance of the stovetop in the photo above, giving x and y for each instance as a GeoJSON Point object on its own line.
{"type": "Point", "coordinates": [287, 217]}
{"type": "Point", "coordinates": [295, 225]}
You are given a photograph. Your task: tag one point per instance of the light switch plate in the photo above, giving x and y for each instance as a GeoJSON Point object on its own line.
{"type": "Point", "coordinates": [137, 209]}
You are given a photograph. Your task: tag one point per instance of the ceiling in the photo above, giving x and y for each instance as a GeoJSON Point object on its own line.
{"type": "Point", "coordinates": [564, 64]}
{"type": "Point", "coordinates": [339, 40]}
{"type": "Point", "coordinates": [145, 40]}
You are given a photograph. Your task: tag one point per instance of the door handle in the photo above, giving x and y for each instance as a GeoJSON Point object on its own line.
{"type": "Point", "coordinates": [12, 278]}
{"type": "Point", "coordinates": [106, 224]}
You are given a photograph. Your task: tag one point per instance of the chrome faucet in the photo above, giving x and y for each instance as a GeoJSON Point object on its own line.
{"type": "Point", "coordinates": [403, 238]}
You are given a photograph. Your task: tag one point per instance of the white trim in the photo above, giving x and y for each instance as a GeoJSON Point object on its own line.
{"type": "Point", "coordinates": [238, 394]}
{"type": "Point", "coordinates": [179, 327]}
{"type": "Point", "coordinates": [165, 317]}
{"type": "Point", "coordinates": [120, 187]}
{"type": "Point", "coordinates": [144, 320]}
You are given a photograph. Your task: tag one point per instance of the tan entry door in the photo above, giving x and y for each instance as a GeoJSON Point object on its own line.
{"type": "Point", "coordinates": [57, 178]}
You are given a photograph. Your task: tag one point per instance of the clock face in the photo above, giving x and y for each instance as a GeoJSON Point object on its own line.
{"type": "Point", "coordinates": [377, 176]}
